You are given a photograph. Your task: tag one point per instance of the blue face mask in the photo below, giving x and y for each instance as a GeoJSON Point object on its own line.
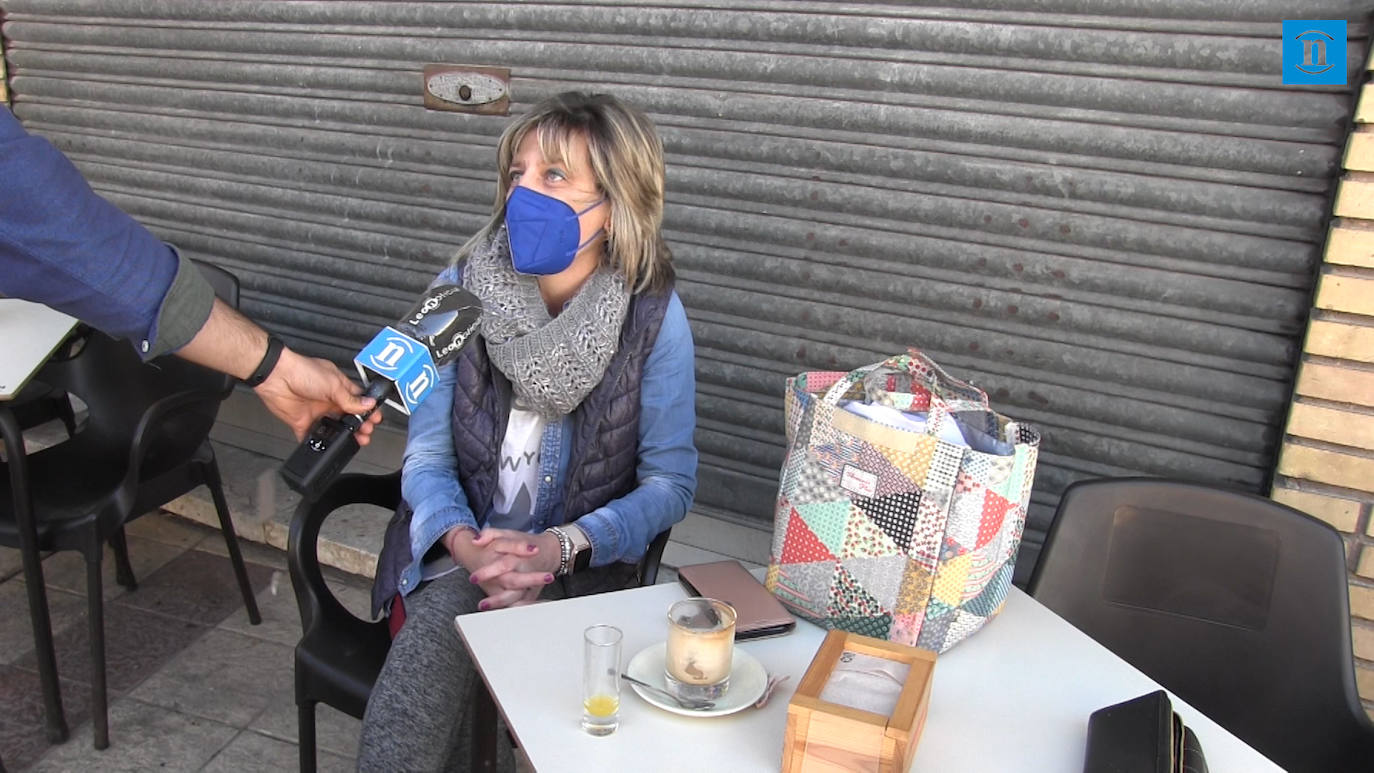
{"type": "Point", "coordinates": [543, 232]}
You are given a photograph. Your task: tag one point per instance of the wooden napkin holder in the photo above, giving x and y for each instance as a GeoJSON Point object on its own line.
{"type": "Point", "coordinates": [823, 736]}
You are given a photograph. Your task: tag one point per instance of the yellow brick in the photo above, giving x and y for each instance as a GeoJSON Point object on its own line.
{"type": "Point", "coordinates": [1366, 565]}
{"type": "Point", "coordinates": [1351, 246]}
{"type": "Point", "coordinates": [1355, 198]}
{"type": "Point", "coordinates": [1339, 339]}
{"type": "Point", "coordinates": [1359, 153]}
{"type": "Point", "coordinates": [1364, 677]}
{"type": "Point", "coordinates": [1363, 638]}
{"type": "Point", "coordinates": [1332, 425]}
{"type": "Point", "coordinates": [1364, 108]}
{"type": "Point", "coordinates": [1321, 466]}
{"type": "Point", "coordinates": [1343, 514]}
{"type": "Point", "coordinates": [1336, 383]}
{"type": "Point", "coordinates": [1346, 293]}
{"type": "Point", "coordinates": [1362, 602]}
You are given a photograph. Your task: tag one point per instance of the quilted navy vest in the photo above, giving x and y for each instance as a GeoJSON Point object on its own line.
{"type": "Point", "coordinates": [605, 435]}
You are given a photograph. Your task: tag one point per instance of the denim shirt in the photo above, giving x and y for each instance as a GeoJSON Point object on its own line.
{"type": "Point", "coordinates": [621, 529]}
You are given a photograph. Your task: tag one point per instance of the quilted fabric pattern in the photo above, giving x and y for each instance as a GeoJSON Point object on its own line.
{"type": "Point", "coordinates": [893, 533]}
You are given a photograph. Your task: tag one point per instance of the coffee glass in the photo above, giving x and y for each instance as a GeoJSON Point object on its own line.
{"type": "Point", "coordinates": [700, 650]}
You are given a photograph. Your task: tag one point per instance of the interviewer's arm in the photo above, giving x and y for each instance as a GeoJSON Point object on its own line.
{"type": "Point", "coordinates": [63, 245]}
{"type": "Point", "coordinates": [299, 390]}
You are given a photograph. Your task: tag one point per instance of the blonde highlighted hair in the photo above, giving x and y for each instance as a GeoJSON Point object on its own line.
{"type": "Point", "coordinates": [627, 161]}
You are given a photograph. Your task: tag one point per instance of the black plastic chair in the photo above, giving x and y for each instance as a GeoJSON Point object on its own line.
{"type": "Point", "coordinates": [145, 442]}
{"type": "Point", "coordinates": [1234, 602]}
{"type": "Point", "coordinates": [339, 654]}
{"type": "Point", "coordinates": [40, 403]}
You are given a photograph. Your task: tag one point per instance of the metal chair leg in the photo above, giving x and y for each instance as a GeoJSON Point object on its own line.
{"type": "Point", "coordinates": [124, 571]}
{"type": "Point", "coordinates": [305, 714]}
{"type": "Point", "coordinates": [483, 729]}
{"type": "Point", "coordinates": [67, 415]}
{"type": "Point", "coordinates": [231, 540]}
{"type": "Point", "coordinates": [55, 721]}
{"type": "Point", "coordinates": [100, 718]}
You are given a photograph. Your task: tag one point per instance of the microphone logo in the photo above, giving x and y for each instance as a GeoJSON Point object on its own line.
{"type": "Point", "coordinates": [396, 357]}
{"type": "Point", "coordinates": [416, 388]}
{"type": "Point", "coordinates": [431, 302]}
{"type": "Point", "coordinates": [409, 355]}
{"type": "Point", "coordinates": [395, 350]}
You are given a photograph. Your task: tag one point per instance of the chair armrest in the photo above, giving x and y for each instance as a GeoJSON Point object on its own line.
{"type": "Point", "coordinates": [313, 597]}
{"type": "Point", "coordinates": [648, 565]}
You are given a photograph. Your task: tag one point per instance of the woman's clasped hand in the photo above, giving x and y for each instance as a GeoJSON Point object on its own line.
{"type": "Point", "coordinates": [513, 566]}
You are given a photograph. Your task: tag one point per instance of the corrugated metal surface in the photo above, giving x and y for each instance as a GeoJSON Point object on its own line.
{"type": "Point", "coordinates": [1108, 213]}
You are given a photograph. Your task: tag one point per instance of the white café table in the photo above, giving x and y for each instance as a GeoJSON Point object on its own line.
{"type": "Point", "coordinates": [29, 333]}
{"type": "Point", "coordinates": [1013, 697]}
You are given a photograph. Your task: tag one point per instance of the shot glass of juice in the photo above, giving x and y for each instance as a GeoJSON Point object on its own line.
{"type": "Point", "coordinates": [601, 679]}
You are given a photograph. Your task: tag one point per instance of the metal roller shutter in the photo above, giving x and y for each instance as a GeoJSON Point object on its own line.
{"type": "Point", "coordinates": [1107, 213]}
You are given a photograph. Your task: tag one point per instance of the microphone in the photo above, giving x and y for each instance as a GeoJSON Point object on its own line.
{"type": "Point", "coordinates": [399, 366]}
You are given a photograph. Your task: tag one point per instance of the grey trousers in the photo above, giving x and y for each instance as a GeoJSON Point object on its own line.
{"type": "Point", "coordinates": [418, 716]}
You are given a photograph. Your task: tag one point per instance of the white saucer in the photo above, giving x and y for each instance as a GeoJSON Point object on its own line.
{"type": "Point", "coordinates": [748, 678]}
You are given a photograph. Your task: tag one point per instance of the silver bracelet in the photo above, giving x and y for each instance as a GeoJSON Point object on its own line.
{"type": "Point", "coordinates": [565, 548]}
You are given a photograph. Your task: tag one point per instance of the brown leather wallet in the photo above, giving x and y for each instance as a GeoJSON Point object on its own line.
{"type": "Point", "coordinates": [757, 612]}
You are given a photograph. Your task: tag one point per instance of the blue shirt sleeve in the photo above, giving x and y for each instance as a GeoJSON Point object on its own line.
{"type": "Point", "coordinates": [64, 246]}
{"type": "Point", "coordinates": [622, 529]}
{"type": "Point", "coordinates": [429, 475]}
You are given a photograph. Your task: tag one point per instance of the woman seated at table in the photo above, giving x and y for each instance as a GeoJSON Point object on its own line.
{"type": "Point", "coordinates": [558, 444]}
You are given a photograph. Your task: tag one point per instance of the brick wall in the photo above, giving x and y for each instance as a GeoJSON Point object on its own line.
{"type": "Point", "coordinates": [1326, 464]}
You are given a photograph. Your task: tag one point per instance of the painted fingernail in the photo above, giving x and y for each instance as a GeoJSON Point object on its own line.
{"type": "Point", "coordinates": [481, 606]}
{"type": "Point", "coordinates": [473, 579]}
{"type": "Point", "coordinates": [548, 578]}
{"type": "Point", "coordinates": [531, 547]}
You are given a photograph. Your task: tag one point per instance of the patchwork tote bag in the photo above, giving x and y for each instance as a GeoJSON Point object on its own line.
{"type": "Point", "coordinates": [901, 502]}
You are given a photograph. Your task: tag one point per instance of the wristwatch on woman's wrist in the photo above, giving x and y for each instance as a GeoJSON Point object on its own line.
{"type": "Point", "coordinates": [581, 547]}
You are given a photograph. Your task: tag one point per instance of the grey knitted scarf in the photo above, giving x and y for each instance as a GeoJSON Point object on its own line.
{"type": "Point", "coordinates": [553, 363]}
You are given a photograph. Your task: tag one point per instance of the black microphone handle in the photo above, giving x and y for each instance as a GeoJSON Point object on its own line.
{"type": "Point", "coordinates": [329, 447]}
{"type": "Point", "coordinates": [377, 390]}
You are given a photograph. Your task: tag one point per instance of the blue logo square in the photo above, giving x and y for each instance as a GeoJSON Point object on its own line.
{"type": "Point", "coordinates": [1314, 52]}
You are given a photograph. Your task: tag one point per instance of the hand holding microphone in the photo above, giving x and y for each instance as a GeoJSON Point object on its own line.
{"type": "Point", "coordinates": [400, 366]}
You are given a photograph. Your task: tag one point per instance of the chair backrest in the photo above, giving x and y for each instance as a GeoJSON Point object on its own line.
{"type": "Point", "coordinates": [1234, 602]}
{"type": "Point", "coordinates": [316, 603]}
{"type": "Point", "coordinates": [119, 390]}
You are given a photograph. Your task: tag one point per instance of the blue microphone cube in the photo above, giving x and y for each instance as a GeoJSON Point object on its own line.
{"type": "Point", "coordinates": [403, 361]}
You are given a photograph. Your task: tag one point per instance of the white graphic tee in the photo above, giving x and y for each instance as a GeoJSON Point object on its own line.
{"type": "Point", "coordinates": [518, 480]}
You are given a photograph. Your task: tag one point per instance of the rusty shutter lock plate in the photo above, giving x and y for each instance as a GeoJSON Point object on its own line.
{"type": "Point", "coordinates": [467, 89]}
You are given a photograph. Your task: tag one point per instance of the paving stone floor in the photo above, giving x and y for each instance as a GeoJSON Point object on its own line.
{"type": "Point", "coordinates": [192, 685]}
